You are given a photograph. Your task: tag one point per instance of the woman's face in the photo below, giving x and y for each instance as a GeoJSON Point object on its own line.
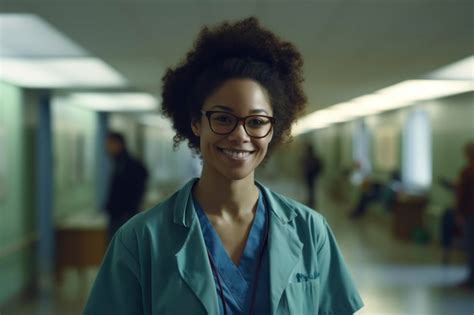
{"type": "Point", "coordinates": [236, 155]}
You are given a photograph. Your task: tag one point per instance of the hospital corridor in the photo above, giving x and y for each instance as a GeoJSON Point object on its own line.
{"type": "Point", "coordinates": [237, 157]}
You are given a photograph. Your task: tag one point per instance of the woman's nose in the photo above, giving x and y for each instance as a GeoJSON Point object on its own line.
{"type": "Point", "coordinates": [239, 132]}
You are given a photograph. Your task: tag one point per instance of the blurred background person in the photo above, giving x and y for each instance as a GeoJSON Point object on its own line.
{"type": "Point", "coordinates": [126, 184]}
{"type": "Point", "coordinates": [377, 191]}
{"type": "Point", "coordinates": [465, 209]}
{"type": "Point", "coordinates": [312, 167]}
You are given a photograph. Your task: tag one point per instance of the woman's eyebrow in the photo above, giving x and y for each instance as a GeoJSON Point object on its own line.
{"type": "Point", "coordinates": [229, 109]}
{"type": "Point", "coordinates": [222, 107]}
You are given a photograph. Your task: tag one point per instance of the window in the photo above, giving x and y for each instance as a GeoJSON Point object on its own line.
{"type": "Point", "coordinates": [361, 152]}
{"type": "Point", "coordinates": [416, 158]}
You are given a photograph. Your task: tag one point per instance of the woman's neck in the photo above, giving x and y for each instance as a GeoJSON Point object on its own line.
{"type": "Point", "coordinates": [220, 196]}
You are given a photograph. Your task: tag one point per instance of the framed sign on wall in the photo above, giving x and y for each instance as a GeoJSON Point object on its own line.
{"type": "Point", "coordinates": [386, 148]}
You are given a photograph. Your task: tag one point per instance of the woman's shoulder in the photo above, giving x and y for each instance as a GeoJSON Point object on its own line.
{"type": "Point", "coordinates": [308, 225]}
{"type": "Point", "coordinates": [152, 222]}
{"type": "Point", "coordinates": [294, 209]}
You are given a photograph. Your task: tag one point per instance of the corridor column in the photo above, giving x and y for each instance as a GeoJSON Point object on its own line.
{"type": "Point", "coordinates": [102, 163]}
{"type": "Point", "coordinates": [44, 184]}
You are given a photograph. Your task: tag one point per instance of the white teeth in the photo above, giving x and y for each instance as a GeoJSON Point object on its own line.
{"type": "Point", "coordinates": [236, 154]}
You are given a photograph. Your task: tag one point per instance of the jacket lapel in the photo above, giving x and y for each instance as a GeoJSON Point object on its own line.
{"type": "Point", "coordinates": [285, 252]}
{"type": "Point", "coordinates": [191, 258]}
{"type": "Point", "coordinates": [285, 247]}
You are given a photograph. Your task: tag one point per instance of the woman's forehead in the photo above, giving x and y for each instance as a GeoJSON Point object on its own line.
{"type": "Point", "coordinates": [250, 110]}
{"type": "Point", "coordinates": [239, 95]}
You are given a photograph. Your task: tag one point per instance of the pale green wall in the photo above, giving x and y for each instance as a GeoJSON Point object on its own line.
{"type": "Point", "coordinates": [452, 121]}
{"type": "Point", "coordinates": [17, 200]}
{"type": "Point", "coordinates": [73, 131]}
{"type": "Point", "coordinates": [168, 169]}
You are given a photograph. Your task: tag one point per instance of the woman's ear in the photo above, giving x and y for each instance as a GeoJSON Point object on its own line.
{"type": "Point", "coordinates": [196, 127]}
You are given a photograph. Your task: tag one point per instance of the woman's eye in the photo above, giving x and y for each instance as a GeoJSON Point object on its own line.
{"type": "Point", "coordinates": [222, 119]}
{"type": "Point", "coordinates": [257, 122]}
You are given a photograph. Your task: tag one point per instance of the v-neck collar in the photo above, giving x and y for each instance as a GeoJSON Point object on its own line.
{"type": "Point", "coordinates": [237, 279]}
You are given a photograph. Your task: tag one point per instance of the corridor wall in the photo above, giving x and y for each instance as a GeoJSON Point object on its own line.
{"type": "Point", "coordinates": [168, 168]}
{"type": "Point", "coordinates": [74, 149]}
{"type": "Point", "coordinates": [17, 196]}
{"type": "Point", "coordinates": [452, 125]}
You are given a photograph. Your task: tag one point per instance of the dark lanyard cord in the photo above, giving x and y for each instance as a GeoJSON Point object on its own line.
{"type": "Point", "coordinates": [259, 264]}
{"type": "Point", "coordinates": [216, 273]}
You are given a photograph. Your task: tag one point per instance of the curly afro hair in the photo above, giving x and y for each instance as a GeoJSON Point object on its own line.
{"type": "Point", "coordinates": [240, 50]}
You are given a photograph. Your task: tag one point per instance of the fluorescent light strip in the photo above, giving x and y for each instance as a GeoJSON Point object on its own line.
{"type": "Point", "coordinates": [27, 73]}
{"type": "Point", "coordinates": [303, 127]}
{"type": "Point", "coordinates": [417, 90]}
{"type": "Point", "coordinates": [460, 70]}
{"type": "Point", "coordinates": [113, 102]}
{"type": "Point", "coordinates": [27, 35]}
{"type": "Point", "coordinates": [397, 96]}
{"type": "Point", "coordinates": [59, 73]}
{"type": "Point", "coordinates": [36, 55]}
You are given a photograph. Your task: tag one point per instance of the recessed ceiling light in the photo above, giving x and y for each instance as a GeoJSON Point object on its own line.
{"type": "Point", "coordinates": [36, 55]}
{"type": "Point", "coordinates": [460, 70]}
{"type": "Point", "coordinates": [112, 102]}
{"type": "Point", "coordinates": [399, 95]}
{"type": "Point", "coordinates": [59, 73]}
{"type": "Point", "coordinates": [29, 36]}
{"type": "Point", "coordinates": [416, 90]}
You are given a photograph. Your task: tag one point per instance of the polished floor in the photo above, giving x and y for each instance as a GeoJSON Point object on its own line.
{"type": "Point", "coordinates": [394, 277]}
{"type": "Point", "coordinates": [400, 277]}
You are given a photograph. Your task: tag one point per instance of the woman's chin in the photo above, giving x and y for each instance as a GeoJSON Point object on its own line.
{"type": "Point", "coordinates": [237, 174]}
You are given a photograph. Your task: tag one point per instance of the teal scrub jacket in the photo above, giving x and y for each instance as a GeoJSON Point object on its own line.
{"type": "Point", "coordinates": [157, 263]}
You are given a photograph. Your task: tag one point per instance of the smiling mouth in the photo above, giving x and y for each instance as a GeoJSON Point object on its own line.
{"type": "Point", "coordinates": [236, 154]}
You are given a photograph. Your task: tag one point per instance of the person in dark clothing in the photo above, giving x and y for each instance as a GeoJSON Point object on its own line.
{"type": "Point", "coordinates": [371, 192]}
{"type": "Point", "coordinates": [126, 185]}
{"type": "Point", "coordinates": [465, 209]}
{"type": "Point", "coordinates": [312, 166]}
{"type": "Point", "coordinates": [374, 191]}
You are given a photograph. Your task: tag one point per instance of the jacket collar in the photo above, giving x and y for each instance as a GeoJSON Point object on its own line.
{"type": "Point", "coordinates": [285, 247]}
{"type": "Point", "coordinates": [183, 208]}
{"type": "Point", "coordinates": [283, 210]}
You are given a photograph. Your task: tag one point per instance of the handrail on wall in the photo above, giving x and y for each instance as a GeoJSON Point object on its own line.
{"type": "Point", "coordinates": [17, 246]}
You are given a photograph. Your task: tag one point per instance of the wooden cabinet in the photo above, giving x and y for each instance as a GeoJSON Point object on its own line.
{"type": "Point", "coordinates": [408, 215]}
{"type": "Point", "coordinates": [80, 242]}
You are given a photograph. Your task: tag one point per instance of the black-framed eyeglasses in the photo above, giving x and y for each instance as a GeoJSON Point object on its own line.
{"type": "Point", "coordinates": [224, 123]}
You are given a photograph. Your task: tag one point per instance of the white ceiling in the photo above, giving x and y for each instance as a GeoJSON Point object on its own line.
{"type": "Point", "coordinates": [350, 48]}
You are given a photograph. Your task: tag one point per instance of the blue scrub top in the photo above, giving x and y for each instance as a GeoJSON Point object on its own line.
{"type": "Point", "coordinates": [237, 281]}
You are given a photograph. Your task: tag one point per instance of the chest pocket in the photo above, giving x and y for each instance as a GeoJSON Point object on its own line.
{"type": "Point", "coordinates": [303, 297]}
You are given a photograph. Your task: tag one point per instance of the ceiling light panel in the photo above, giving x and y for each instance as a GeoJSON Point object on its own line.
{"type": "Point", "coordinates": [85, 72]}
{"type": "Point", "coordinates": [460, 70]}
{"type": "Point", "coordinates": [113, 102]}
{"type": "Point", "coordinates": [59, 73]}
{"type": "Point", "coordinates": [29, 36]}
{"type": "Point", "coordinates": [417, 90]}
{"type": "Point", "coordinates": [397, 96]}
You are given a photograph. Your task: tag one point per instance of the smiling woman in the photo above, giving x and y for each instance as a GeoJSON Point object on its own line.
{"type": "Point", "coordinates": [224, 243]}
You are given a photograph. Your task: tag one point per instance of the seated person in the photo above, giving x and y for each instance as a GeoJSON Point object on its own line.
{"type": "Point", "coordinates": [375, 191]}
